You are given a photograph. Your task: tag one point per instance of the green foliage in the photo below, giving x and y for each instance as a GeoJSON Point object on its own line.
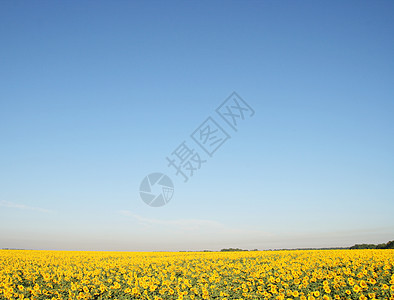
{"type": "Point", "coordinates": [363, 246]}
{"type": "Point", "coordinates": [232, 249]}
{"type": "Point", "coordinates": [388, 245]}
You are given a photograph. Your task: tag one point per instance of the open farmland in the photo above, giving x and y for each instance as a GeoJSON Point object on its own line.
{"type": "Point", "coordinates": [314, 274]}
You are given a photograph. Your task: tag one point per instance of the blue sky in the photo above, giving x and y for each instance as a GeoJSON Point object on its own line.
{"type": "Point", "coordinates": [96, 94]}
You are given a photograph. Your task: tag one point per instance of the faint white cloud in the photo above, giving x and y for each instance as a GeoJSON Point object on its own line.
{"type": "Point", "coordinates": [23, 207]}
{"type": "Point", "coordinates": [182, 223]}
{"type": "Point", "coordinates": [210, 227]}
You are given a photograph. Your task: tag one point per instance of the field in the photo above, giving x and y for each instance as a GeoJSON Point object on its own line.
{"type": "Point", "coordinates": [315, 274]}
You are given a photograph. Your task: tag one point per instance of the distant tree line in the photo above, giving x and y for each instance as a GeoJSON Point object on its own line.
{"type": "Point", "coordinates": [236, 249]}
{"type": "Point", "coordinates": [388, 245]}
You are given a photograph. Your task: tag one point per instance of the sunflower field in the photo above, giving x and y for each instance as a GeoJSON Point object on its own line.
{"type": "Point", "coordinates": [314, 274]}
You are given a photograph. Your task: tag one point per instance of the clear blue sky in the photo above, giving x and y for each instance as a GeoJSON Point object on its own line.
{"type": "Point", "coordinates": [95, 94]}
